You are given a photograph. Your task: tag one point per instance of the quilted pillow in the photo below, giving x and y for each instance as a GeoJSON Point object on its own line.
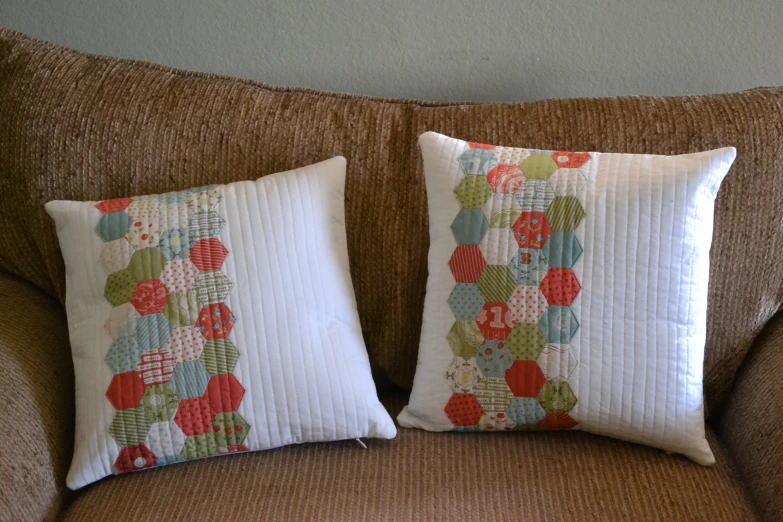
{"type": "Point", "coordinates": [214, 320]}
{"type": "Point", "coordinates": [567, 290]}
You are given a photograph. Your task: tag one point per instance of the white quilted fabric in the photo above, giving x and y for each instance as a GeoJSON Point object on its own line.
{"type": "Point", "coordinates": [284, 281]}
{"type": "Point", "coordinates": [634, 363]}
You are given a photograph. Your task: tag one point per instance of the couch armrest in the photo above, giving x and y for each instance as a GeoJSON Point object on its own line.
{"type": "Point", "coordinates": [751, 423]}
{"type": "Point", "coordinates": [36, 402]}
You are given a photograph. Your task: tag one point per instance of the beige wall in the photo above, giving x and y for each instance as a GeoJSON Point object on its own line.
{"type": "Point", "coordinates": [474, 50]}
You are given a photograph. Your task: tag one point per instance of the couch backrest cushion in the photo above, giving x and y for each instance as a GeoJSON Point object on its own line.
{"type": "Point", "coordinates": [81, 127]}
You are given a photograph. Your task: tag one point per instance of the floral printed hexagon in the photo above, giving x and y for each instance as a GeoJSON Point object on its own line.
{"type": "Point", "coordinates": [150, 297]}
{"type": "Point", "coordinates": [463, 375]}
{"type": "Point", "coordinates": [496, 421]}
{"type": "Point", "coordinates": [230, 429]}
{"type": "Point", "coordinates": [494, 359]}
{"type": "Point", "coordinates": [532, 229]}
{"type": "Point", "coordinates": [505, 179]}
{"type": "Point", "coordinates": [175, 243]}
{"type": "Point", "coordinates": [557, 397]}
{"type": "Point", "coordinates": [215, 321]}
{"type": "Point", "coordinates": [570, 160]}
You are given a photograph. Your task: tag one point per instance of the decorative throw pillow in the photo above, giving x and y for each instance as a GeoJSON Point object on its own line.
{"type": "Point", "coordinates": [567, 290]}
{"type": "Point", "coordinates": [214, 320]}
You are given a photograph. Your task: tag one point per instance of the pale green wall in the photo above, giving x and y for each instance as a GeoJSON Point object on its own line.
{"type": "Point", "coordinates": [466, 50]}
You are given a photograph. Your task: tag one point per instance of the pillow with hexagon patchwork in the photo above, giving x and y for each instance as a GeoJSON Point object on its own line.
{"type": "Point", "coordinates": [215, 320]}
{"type": "Point", "coordinates": [567, 290]}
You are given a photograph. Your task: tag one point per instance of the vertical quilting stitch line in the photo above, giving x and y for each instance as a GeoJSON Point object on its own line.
{"type": "Point", "coordinates": [610, 232]}
{"type": "Point", "coordinates": [681, 343]}
{"type": "Point", "coordinates": [316, 344]}
{"type": "Point", "coordinates": [588, 278]}
{"type": "Point", "coordinates": [669, 227]}
{"type": "Point", "coordinates": [630, 299]}
{"type": "Point", "coordinates": [272, 192]}
{"type": "Point", "coordinates": [698, 219]}
{"type": "Point", "coordinates": [651, 368]}
{"type": "Point", "coordinates": [250, 199]}
{"type": "Point", "coordinates": [327, 197]}
{"type": "Point", "coordinates": [324, 210]}
{"type": "Point", "coordinates": [284, 205]}
{"type": "Point", "coordinates": [311, 382]}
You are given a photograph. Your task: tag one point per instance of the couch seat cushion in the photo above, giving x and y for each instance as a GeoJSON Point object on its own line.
{"type": "Point", "coordinates": [430, 476]}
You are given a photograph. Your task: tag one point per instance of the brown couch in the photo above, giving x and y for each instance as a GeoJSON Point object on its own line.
{"type": "Point", "coordinates": [75, 126]}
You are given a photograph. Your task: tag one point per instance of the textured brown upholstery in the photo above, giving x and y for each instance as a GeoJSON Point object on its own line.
{"type": "Point", "coordinates": [430, 476]}
{"type": "Point", "coordinates": [36, 403]}
{"type": "Point", "coordinates": [752, 423]}
{"type": "Point", "coordinates": [83, 127]}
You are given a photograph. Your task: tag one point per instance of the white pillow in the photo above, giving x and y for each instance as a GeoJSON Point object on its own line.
{"type": "Point", "coordinates": [214, 320]}
{"type": "Point", "coordinates": [566, 291]}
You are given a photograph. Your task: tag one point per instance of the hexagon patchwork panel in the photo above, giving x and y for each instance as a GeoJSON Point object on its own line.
{"type": "Point", "coordinates": [207, 321]}
{"type": "Point", "coordinates": [157, 248]}
{"type": "Point", "coordinates": [527, 237]}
